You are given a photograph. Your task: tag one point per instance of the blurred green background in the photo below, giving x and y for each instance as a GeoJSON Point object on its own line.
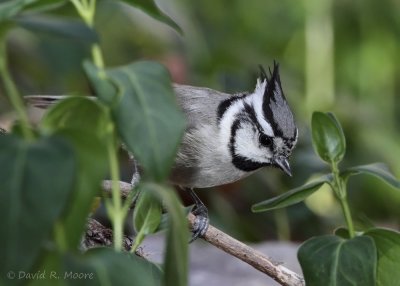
{"type": "Point", "coordinates": [339, 56]}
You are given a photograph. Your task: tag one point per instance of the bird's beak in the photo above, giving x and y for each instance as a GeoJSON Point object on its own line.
{"type": "Point", "coordinates": [283, 164]}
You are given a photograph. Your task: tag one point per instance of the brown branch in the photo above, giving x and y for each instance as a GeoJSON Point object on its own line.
{"type": "Point", "coordinates": [273, 269]}
{"type": "Point", "coordinates": [97, 235]}
{"type": "Point", "coordinates": [259, 261]}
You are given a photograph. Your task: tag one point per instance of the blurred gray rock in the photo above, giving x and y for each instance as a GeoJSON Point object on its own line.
{"type": "Point", "coordinates": [210, 266]}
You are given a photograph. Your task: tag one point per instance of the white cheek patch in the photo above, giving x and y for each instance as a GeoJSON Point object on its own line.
{"type": "Point", "coordinates": [256, 100]}
{"type": "Point", "coordinates": [247, 146]}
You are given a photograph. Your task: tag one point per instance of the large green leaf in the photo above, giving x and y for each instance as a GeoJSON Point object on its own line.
{"type": "Point", "coordinates": [85, 123]}
{"type": "Point", "coordinates": [388, 245]}
{"type": "Point", "coordinates": [332, 261]}
{"type": "Point", "coordinates": [67, 28]}
{"type": "Point", "coordinates": [147, 116]}
{"type": "Point", "coordinates": [176, 254]}
{"type": "Point", "coordinates": [41, 6]}
{"type": "Point", "coordinates": [147, 216]}
{"type": "Point", "coordinates": [104, 266]}
{"type": "Point", "coordinates": [378, 170]}
{"type": "Point", "coordinates": [36, 180]}
{"type": "Point", "coordinates": [328, 137]}
{"type": "Point", "coordinates": [150, 8]}
{"type": "Point", "coordinates": [291, 197]}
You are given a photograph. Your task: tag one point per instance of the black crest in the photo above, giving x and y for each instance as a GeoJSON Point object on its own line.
{"type": "Point", "coordinates": [275, 107]}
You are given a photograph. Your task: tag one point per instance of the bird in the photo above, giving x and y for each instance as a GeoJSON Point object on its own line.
{"type": "Point", "coordinates": [228, 136]}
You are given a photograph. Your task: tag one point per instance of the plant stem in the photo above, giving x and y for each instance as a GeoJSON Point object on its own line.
{"type": "Point", "coordinates": [115, 209]}
{"type": "Point", "coordinates": [86, 9]}
{"type": "Point", "coordinates": [347, 216]}
{"type": "Point", "coordinates": [13, 94]}
{"type": "Point", "coordinates": [339, 188]}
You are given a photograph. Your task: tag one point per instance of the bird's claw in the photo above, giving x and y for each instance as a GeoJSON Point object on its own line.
{"type": "Point", "coordinates": [201, 222]}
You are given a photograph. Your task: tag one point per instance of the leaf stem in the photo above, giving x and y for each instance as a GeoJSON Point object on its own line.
{"type": "Point", "coordinates": [339, 188]}
{"type": "Point", "coordinates": [13, 94]}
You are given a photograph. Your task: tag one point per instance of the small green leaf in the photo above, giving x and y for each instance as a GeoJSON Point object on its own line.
{"type": "Point", "coordinates": [108, 90]}
{"type": "Point", "coordinates": [332, 261]}
{"type": "Point", "coordinates": [291, 197]}
{"type": "Point", "coordinates": [328, 137]}
{"type": "Point", "coordinates": [80, 113]}
{"type": "Point", "coordinates": [388, 245]}
{"type": "Point", "coordinates": [104, 266]}
{"type": "Point", "coordinates": [85, 123]}
{"type": "Point", "coordinates": [147, 116]}
{"type": "Point", "coordinates": [36, 181]}
{"type": "Point", "coordinates": [147, 216]}
{"type": "Point", "coordinates": [378, 170]}
{"type": "Point", "coordinates": [150, 8]}
{"type": "Point", "coordinates": [53, 26]}
{"type": "Point", "coordinates": [176, 254]}
{"type": "Point", "coordinates": [12, 7]}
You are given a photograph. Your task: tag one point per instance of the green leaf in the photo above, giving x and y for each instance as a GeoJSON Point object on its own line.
{"type": "Point", "coordinates": [176, 254]}
{"type": "Point", "coordinates": [147, 116]}
{"type": "Point", "coordinates": [291, 197]}
{"type": "Point", "coordinates": [147, 216]}
{"type": "Point", "coordinates": [36, 180]}
{"type": "Point", "coordinates": [41, 6]}
{"type": "Point", "coordinates": [332, 261]}
{"type": "Point", "coordinates": [388, 245]}
{"type": "Point", "coordinates": [104, 266]}
{"type": "Point", "coordinates": [85, 123]}
{"type": "Point", "coordinates": [328, 138]}
{"type": "Point", "coordinates": [378, 170]}
{"type": "Point", "coordinates": [150, 8]}
{"type": "Point", "coordinates": [67, 28]}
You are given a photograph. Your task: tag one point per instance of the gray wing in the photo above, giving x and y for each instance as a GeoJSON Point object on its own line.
{"type": "Point", "coordinates": [200, 107]}
{"type": "Point", "coordinates": [199, 104]}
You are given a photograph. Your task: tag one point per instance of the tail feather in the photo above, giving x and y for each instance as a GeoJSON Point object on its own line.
{"type": "Point", "coordinates": [43, 101]}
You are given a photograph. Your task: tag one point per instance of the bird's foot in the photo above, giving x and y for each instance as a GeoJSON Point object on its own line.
{"type": "Point", "coordinates": [201, 222]}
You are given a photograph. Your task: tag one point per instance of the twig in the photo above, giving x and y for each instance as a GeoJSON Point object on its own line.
{"type": "Point", "coordinates": [221, 240]}
{"type": "Point", "coordinates": [273, 269]}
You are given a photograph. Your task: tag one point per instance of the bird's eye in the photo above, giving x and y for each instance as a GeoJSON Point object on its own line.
{"type": "Point", "coordinates": [265, 140]}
